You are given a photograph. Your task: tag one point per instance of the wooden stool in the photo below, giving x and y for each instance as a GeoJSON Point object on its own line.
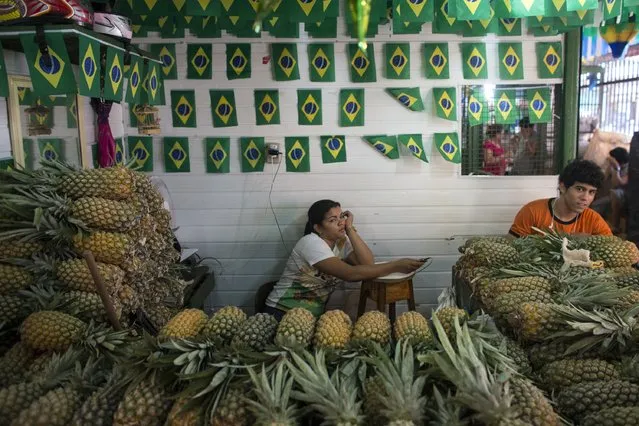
{"type": "Point", "coordinates": [386, 292]}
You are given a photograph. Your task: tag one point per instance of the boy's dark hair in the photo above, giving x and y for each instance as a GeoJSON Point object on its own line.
{"type": "Point", "coordinates": [583, 171]}
{"type": "Point", "coordinates": [621, 155]}
{"type": "Point", "coordinates": [525, 123]}
{"type": "Point", "coordinates": [316, 213]}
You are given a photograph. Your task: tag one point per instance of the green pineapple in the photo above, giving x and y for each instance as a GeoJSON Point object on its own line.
{"type": "Point", "coordinates": [615, 416]}
{"type": "Point", "coordinates": [582, 399]}
{"type": "Point", "coordinates": [15, 363]}
{"type": "Point", "coordinates": [567, 372]}
{"type": "Point", "coordinates": [54, 408]}
{"type": "Point", "coordinates": [256, 332]}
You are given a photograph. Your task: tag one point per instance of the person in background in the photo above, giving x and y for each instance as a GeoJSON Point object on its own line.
{"type": "Point", "coordinates": [570, 212]}
{"type": "Point", "coordinates": [330, 252]}
{"type": "Point", "coordinates": [610, 201]}
{"type": "Point", "coordinates": [494, 154]}
{"type": "Point", "coordinates": [531, 151]}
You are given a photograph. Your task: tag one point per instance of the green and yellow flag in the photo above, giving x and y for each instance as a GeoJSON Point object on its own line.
{"type": "Point", "coordinates": [362, 64]}
{"type": "Point", "coordinates": [321, 59]}
{"type": "Point", "coordinates": [297, 154]}
{"type": "Point", "coordinates": [120, 159]}
{"type": "Point", "coordinates": [611, 9]}
{"type": "Point", "coordinates": [578, 5]}
{"type": "Point", "coordinates": [267, 107]}
{"type": "Point", "coordinates": [448, 146]}
{"type": "Point", "coordinates": [150, 8]}
{"type": "Point", "coordinates": [280, 27]}
{"type": "Point", "coordinates": [509, 27]}
{"type": "Point", "coordinates": [385, 145]}
{"type": "Point", "coordinates": [141, 150]}
{"type": "Point", "coordinates": [153, 89]}
{"type": "Point", "coordinates": [135, 79]}
{"type": "Point", "coordinates": [436, 56]}
{"type": "Point", "coordinates": [238, 61]}
{"type": "Point", "coordinates": [333, 148]}
{"type": "Point", "coordinates": [90, 68]}
{"type": "Point", "coordinates": [183, 108]}
{"type": "Point", "coordinates": [415, 144]}
{"type": "Point", "coordinates": [539, 110]}
{"type": "Point", "coordinates": [506, 111]}
{"type": "Point", "coordinates": [223, 108]}
{"type": "Point", "coordinates": [199, 61]}
{"type": "Point", "coordinates": [176, 155]}
{"type": "Point", "coordinates": [474, 60]}
{"type": "Point", "coordinates": [253, 154]}
{"type": "Point", "coordinates": [284, 59]}
{"type": "Point", "coordinates": [202, 8]}
{"type": "Point", "coordinates": [322, 29]}
{"type": "Point", "coordinates": [549, 63]}
{"type": "Point", "coordinates": [7, 163]}
{"type": "Point", "coordinates": [397, 61]}
{"type": "Point", "coordinates": [304, 10]}
{"type": "Point", "coordinates": [72, 112]}
{"type": "Point", "coordinates": [477, 110]}
{"type": "Point", "coordinates": [309, 107]}
{"type": "Point", "coordinates": [444, 22]}
{"type": "Point", "coordinates": [217, 155]}
{"type": "Point", "coordinates": [407, 96]}
{"type": "Point", "coordinates": [510, 61]}
{"type": "Point", "coordinates": [351, 104]}
{"type": "Point", "coordinates": [520, 8]}
{"type": "Point", "coordinates": [51, 73]}
{"type": "Point", "coordinates": [166, 52]}
{"type": "Point", "coordinates": [445, 102]}
{"type": "Point", "coordinates": [401, 25]}
{"type": "Point", "coordinates": [114, 75]}
{"type": "Point", "coordinates": [415, 10]}
{"type": "Point", "coordinates": [51, 149]}
{"type": "Point", "coordinates": [469, 10]}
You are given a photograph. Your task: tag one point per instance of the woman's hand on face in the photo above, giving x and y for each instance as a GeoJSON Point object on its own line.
{"type": "Point", "coordinates": [348, 219]}
{"type": "Point", "coordinates": [406, 265]}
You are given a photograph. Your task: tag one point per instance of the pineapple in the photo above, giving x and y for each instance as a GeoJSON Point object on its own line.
{"type": "Point", "coordinates": [181, 415]}
{"type": "Point", "coordinates": [55, 408]}
{"type": "Point", "coordinates": [75, 275]}
{"type": "Point", "coordinates": [628, 280]}
{"type": "Point", "coordinates": [630, 300]}
{"type": "Point", "coordinates": [163, 219]}
{"type": "Point", "coordinates": [12, 309]}
{"type": "Point", "coordinates": [413, 327]}
{"type": "Point", "coordinates": [590, 397]}
{"type": "Point", "coordinates": [531, 404]}
{"type": "Point", "coordinates": [256, 332]}
{"type": "Point", "coordinates": [483, 240]}
{"type": "Point", "coordinates": [14, 363]}
{"type": "Point", "coordinates": [518, 355]}
{"type": "Point", "coordinates": [224, 323]}
{"type": "Point", "coordinates": [144, 403]}
{"type": "Point", "coordinates": [129, 298]}
{"type": "Point", "coordinates": [13, 278]}
{"type": "Point", "coordinates": [159, 315]}
{"type": "Point", "coordinates": [511, 285]}
{"type": "Point", "coordinates": [187, 323]}
{"type": "Point", "coordinates": [535, 321]}
{"type": "Point", "coordinates": [98, 409]}
{"type": "Point", "coordinates": [567, 372]}
{"type": "Point", "coordinates": [333, 330]}
{"type": "Point", "coordinates": [107, 215]}
{"type": "Point", "coordinates": [506, 303]}
{"type": "Point", "coordinates": [18, 249]}
{"type": "Point", "coordinates": [373, 326]}
{"type": "Point", "coordinates": [593, 242]}
{"type": "Point", "coordinates": [87, 306]}
{"type": "Point", "coordinates": [272, 405]}
{"type": "Point", "coordinates": [614, 255]}
{"type": "Point", "coordinates": [487, 253]}
{"type": "Point", "coordinates": [541, 354]}
{"type": "Point", "coordinates": [232, 409]}
{"type": "Point", "coordinates": [145, 189]}
{"type": "Point", "coordinates": [51, 330]}
{"type": "Point", "coordinates": [447, 315]}
{"type": "Point", "coordinates": [333, 397]}
{"type": "Point", "coordinates": [614, 416]}
{"type": "Point", "coordinates": [107, 247]}
{"type": "Point", "coordinates": [39, 365]}
{"type": "Point", "coordinates": [296, 328]}
{"type": "Point", "coordinates": [114, 183]}
{"type": "Point", "coordinates": [374, 396]}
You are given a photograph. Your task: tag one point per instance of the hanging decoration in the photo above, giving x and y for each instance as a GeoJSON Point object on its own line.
{"type": "Point", "coordinates": [618, 35]}
{"type": "Point", "coordinates": [333, 148]}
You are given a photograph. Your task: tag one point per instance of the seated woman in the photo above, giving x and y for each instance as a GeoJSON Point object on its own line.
{"type": "Point", "coordinates": [494, 153]}
{"type": "Point", "coordinates": [330, 252]}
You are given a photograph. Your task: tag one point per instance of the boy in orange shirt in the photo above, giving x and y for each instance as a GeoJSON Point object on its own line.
{"type": "Point", "coordinates": [570, 212]}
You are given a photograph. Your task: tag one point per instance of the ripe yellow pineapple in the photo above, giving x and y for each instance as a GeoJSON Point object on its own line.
{"type": "Point", "coordinates": [14, 278]}
{"type": "Point", "coordinates": [446, 317]}
{"type": "Point", "coordinates": [75, 275]}
{"type": "Point", "coordinates": [412, 326]}
{"type": "Point", "coordinates": [535, 321]}
{"type": "Point", "coordinates": [51, 330]}
{"type": "Point", "coordinates": [296, 328]}
{"type": "Point", "coordinates": [145, 403]}
{"type": "Point", "coordinates": [615, 255]}
{"type": "Point", "coordinates": [107, 247]}
{"type": "Point", "coordinates": [187, 323]}
{"type": "Point", "coordinates": [510, 285]}
{"type": "Point", "coordinates": [333, 330]}
{"type": "Point", "coordinates": [129, 298]}
{"type": "Point", "coordinates": [224, 323]}
{"type": "Point", "coordinates": [145, 189]}
{"type": "Point", "coordinates": [163, 219]}
{"type": "Point", "coordinates": [567, 372]}
{"type": "Point", "coordinates": [373, 326]}
{"type": "Point", "coordinates": [505, 303]}
{"type": "Point", "coordinates": [114, 183]}
{"type": "Point", "coordinates": [106, 215]}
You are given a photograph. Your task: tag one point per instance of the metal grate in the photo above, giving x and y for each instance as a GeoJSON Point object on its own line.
{"type": "Point", "coordinates": [529, 152]}
{"type": "Point", "coordinates": [609, 93]}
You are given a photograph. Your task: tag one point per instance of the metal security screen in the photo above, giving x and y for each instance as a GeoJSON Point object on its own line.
{"type": "Point", "coordinates": [517, 147]}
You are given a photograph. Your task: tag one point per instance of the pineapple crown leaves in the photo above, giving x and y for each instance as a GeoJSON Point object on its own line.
{"type": "Point", "coordinates": [273, 405]}
{"type": "Point", "coordinates": [403, 398]}
{"type": "Point", "coordinates": [447, 411]}
{"type": "Point", "coordinates": [185, 357]}
{"type": "Point", "coordinates": [597, 293]}
{"type": "Point", "coordinates": [334, 396]}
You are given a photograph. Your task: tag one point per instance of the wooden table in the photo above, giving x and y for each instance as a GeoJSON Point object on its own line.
{"type": "Point", "coordinates": [386, 292]}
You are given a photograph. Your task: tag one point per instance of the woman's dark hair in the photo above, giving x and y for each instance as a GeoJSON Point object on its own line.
{"type": "Point", "coordinates": [583, 171]}
{"type": "Point", "coordinates": [621, 155]}
{"type": "Point", "coordinates": [493, 130]}
{"type": "Point", "coordinates": [316, 213]}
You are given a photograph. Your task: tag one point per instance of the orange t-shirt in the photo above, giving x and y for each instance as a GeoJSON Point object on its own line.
{"type": "Point", "coordinates": [538, 213]}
